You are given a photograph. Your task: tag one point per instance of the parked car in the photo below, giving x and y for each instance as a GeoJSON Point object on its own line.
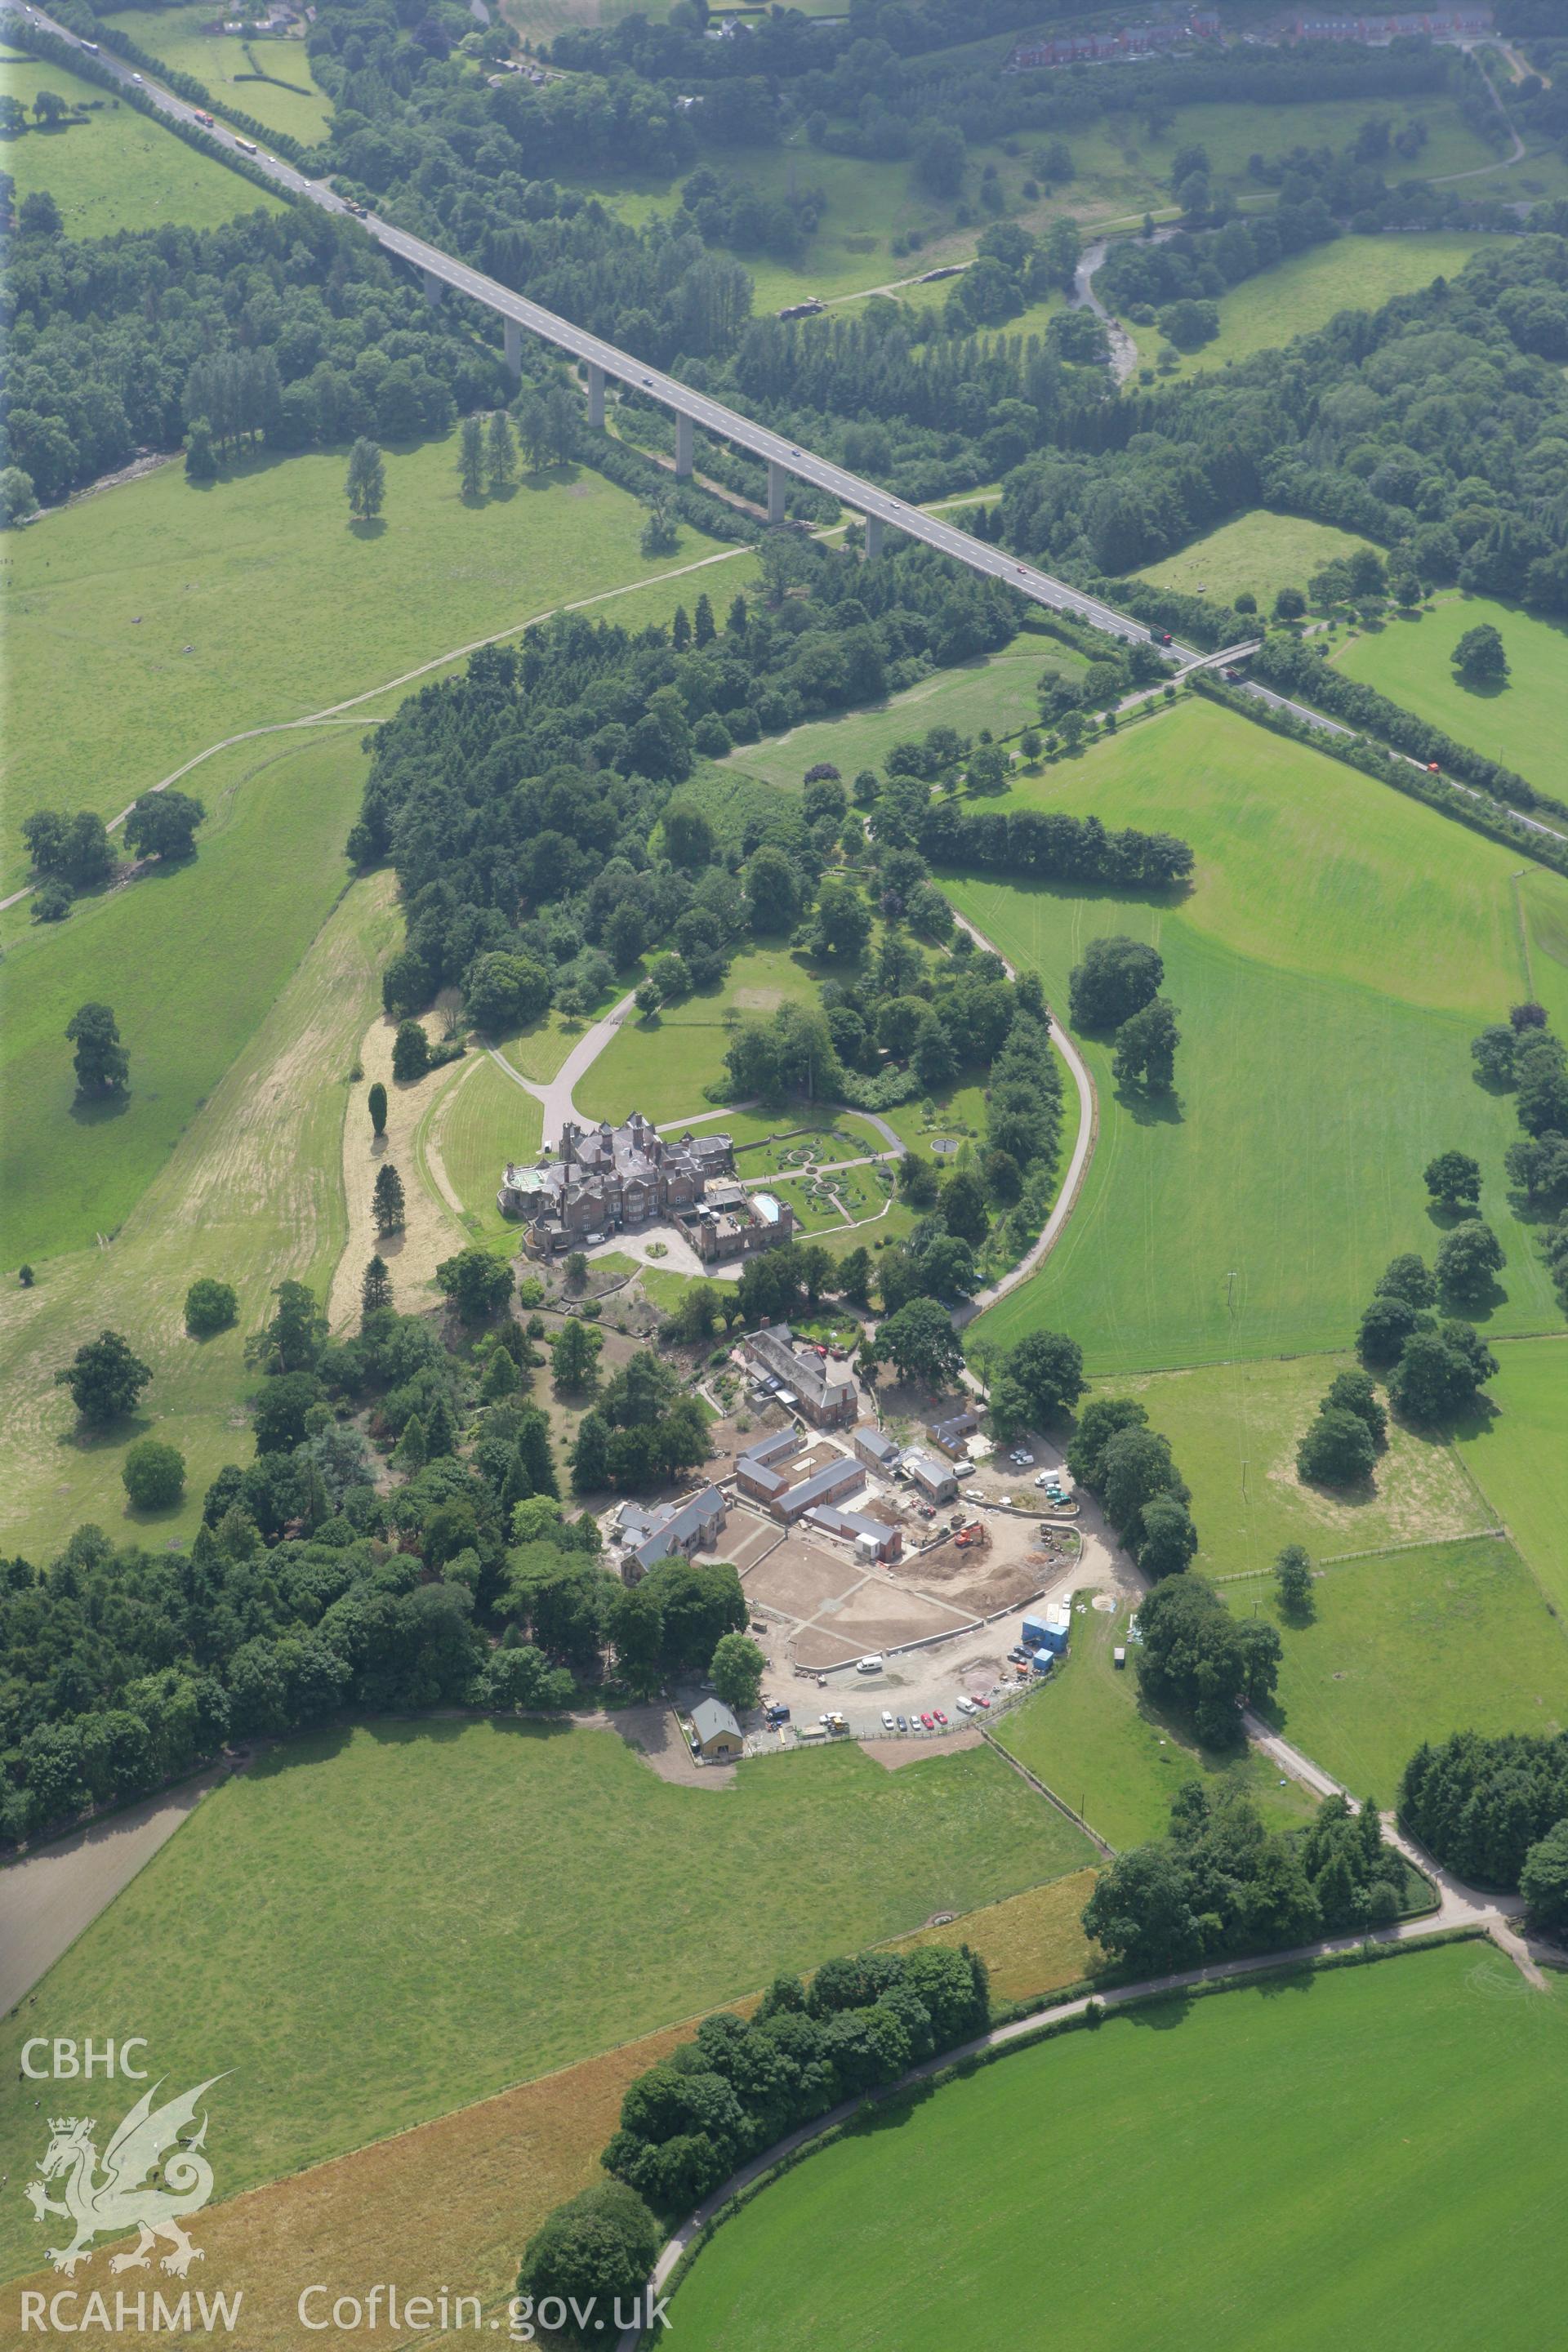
{"type": "Point", "coordinates": [981, 1700]}
{"type": "Point", "coordinates": [903, 1723]}
{"type": "Point", "coordinates": [887, 1720]}
{"type": "Point", "coordinates": [975, 1494]}
{"type": "Point", "coordinates": [940, 1716]}
{"type": "Point", "coordinates": [965, 1705]}
{"type": "Point", "coordinates": [928, 1721]}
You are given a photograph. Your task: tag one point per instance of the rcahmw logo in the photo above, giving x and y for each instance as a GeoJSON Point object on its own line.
{"type": "Point", "coordinates": [152, 2176]}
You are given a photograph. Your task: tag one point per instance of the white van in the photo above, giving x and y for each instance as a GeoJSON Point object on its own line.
{"type": "Point", "coordinates": [871, 1665]}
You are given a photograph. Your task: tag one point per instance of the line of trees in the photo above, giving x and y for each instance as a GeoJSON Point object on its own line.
{"type": "Point", "coordinates": [739, 2085]}
{"type": "Point", "coordinates": [1130, 1468]}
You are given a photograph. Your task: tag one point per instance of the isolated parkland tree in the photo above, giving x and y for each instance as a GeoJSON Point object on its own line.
{"type": "Point", "coordinates": [163, 824]}
{"type": "Point", "coordinates": [1293, 1575]}
{"type": "Point", "coordinates": [376, 1103]}
{"type": "Point", "coordinates": [1146, 1048]}
{"type": "Point", "coordinates": [1453, 1180]}
{"type": "Point", "coordinates": [1480, 657]}
{"type": "Point", "coordinates": [104, 1378]}
{"type": "Point", "coordinates": [1117, 978]}
{"type": "Point", "coordinates": [471, 457]}
{"type": "Point", "coordinates": [365, 481]}
{"type": "Point", "coordinates": [387, 1199]}
{"type": "Point", "coordinates": [210, 1306]}
{"type": "Point", "coordinates": [501, 450]}
{"type": "Point", "coordinates": [153, 1475]}
{"type": "Point", "coordinates": [103, 1064]}
{"type": "Point", "coordinates": [375, 1289]}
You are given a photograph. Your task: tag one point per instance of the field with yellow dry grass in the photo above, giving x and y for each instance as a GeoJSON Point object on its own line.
{"type": "Point", "coordinates": [1032, 1943]}
{"type": "Point", "coordinates": [450, 2205]}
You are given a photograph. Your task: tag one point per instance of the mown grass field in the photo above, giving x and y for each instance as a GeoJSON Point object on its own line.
{"type": "Point", "coordinates": [1234, 1428]}
{"type": "Point", "coordinates": [998, 690]}
{"type": "Point", "coordinates": [1414, 1645]}
{"type": "Point", "coordinates": [197, 612]}
{"type": "Point", "coordinates": [118, 170]}
{"type": "Point", "coordinates": [1339, 947]}
{"type": "Point", "coordinates": [252, 1192]}
{"type": "Point", "coordinates": [661, 1069]}
{"type": "Point", "coordinates": [1087, 1736]}
{"type": "Point", "coordinates": [191, 960]}
{"type": "Point", "coordinates": [1262, 551]}
{"type": "Point", "coordinates": [1305, 290]}
{"type": "Point", "coordinates": [480, 1124]}
{"type": "Point", "coordinates": [1520, 1456]}
{"type": "Point", "coordinates": [521, 1896]}
{"type": "Point", "coordinates": [1520, 723]}
{"type": "Point", "coordinates": [1282, 2162]}
{"type": "Point", "coordinates": [175, 36]}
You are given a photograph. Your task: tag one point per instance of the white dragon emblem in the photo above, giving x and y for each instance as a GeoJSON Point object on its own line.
{"type": "Point", "coordinates": [126, 2197]}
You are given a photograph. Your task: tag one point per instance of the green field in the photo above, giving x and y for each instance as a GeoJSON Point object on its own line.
{"type": "Point", "coordinates": [1520, 723]}
{"type": "Point", "coordinates": [1258, 551]}
{"type": "Point", "coordinates": [998, 691]}
{"type": "Point", "coordinates": [1284, 2163]}
{"type": "Point", "coordinates": [191, 962]}
{"type": "Point", "coordinates": [1121, 172]}
{"type": "Point", "coordinates": [199, 612]}
{"type": "Point", "coordinates": [476, 1128]}
{"type": "Point", "coordinates": [1519, 1455]}
{"type": "Point", "coordinates": [661, 1069]}
{"type": "Point", "coordinates": [1338, 948]}
{"type": "Point", "coordinates": [1415, 1645]}
{"type": "Point", "coordinates": [118, 170]}
{"type": "Point", "coordinates": [374, 1927]}
{"type": "Point", "coordinates": [1088, 1735]}
{"type": "Point", "coordinates": [229, 66]}
{"type": "Point", "coordinates": [1304, 291]}
{"type": "Point", "coordinates": [252, 1192]}
{"type": "Point", "coordinates": [1234, 1427]}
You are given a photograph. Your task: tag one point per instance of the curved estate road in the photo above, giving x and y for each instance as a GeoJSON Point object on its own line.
{"type": "Point", "coordinates": [1077, 1165]}
{"type": "Point", "coordinates": [1457, 1907]}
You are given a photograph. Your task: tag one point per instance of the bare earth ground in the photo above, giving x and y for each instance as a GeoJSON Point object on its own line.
{"type": "Point", "coordinates": [433, 1231]}
{"type": "Point", "coordinates": [653, 1733]}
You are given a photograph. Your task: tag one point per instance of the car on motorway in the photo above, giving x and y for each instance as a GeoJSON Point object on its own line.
{"type": "Point", "coordinates": [648, 379]}
{"type": "Point", "coordinates": [136, 78]}
{"type": "Point", "coordinates": [928, 1721]}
